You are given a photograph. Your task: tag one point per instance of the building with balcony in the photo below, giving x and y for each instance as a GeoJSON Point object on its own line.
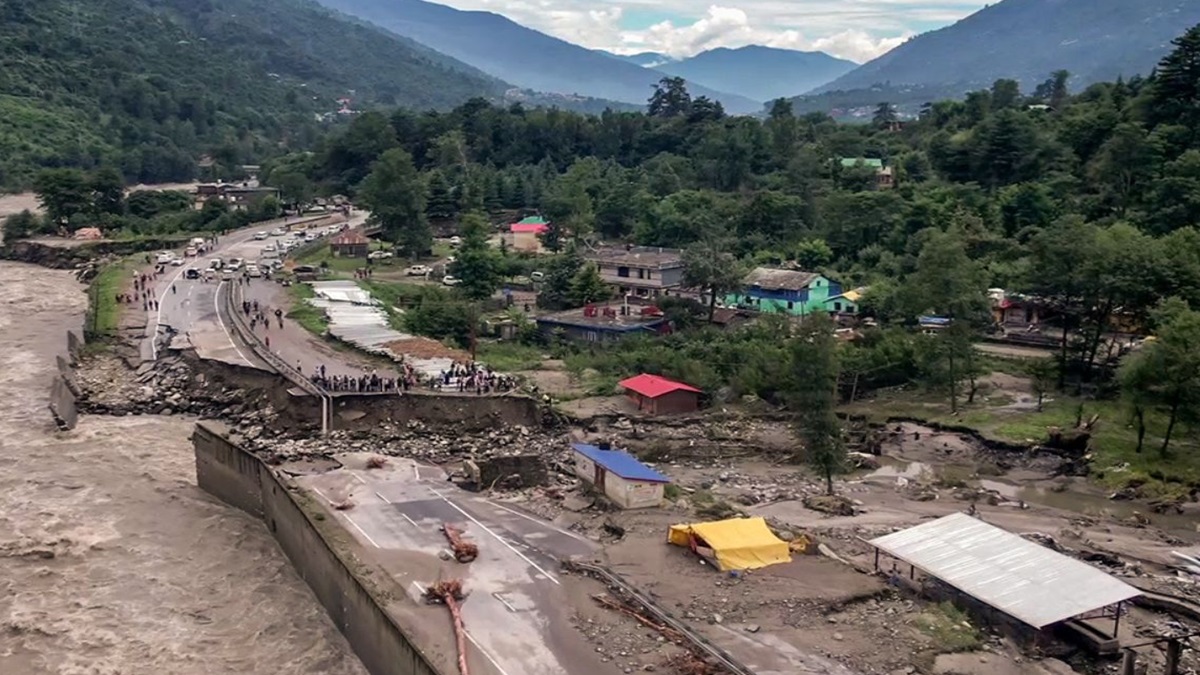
{"type": "Point", "coordinates": [639, 271]}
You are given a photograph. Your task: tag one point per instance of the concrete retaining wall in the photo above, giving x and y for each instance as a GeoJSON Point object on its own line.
{"type": "Point", "coordinates": [64, 391]}
{"type": "Point", "coordinates": [352, 593]}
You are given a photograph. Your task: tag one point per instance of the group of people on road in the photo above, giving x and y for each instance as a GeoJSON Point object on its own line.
{"type": "Point", "coordinates": [367, 382]}
{"type": "Point", "coordinates": [472, 376]}
{"type": "Point", "coordinates": [261, 315]}
{"type": "Point", "coordinates": [142, 290]}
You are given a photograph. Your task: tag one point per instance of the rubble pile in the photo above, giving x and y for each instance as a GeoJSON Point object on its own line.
{"type": "Point", "coordinates": [435, 445]}
{"type": "Point", "coordinates": [165, 387]}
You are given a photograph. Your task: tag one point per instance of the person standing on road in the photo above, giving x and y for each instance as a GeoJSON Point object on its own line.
{"type": "Point", "coordinates": [172, 289]}
{"type": "Point", "coordinates": [268, 340]}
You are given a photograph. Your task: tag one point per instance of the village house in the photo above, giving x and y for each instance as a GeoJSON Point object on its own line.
{"type": "Point", "coordinates": [526, 234]}
{"type": "Point", "coordinates": [657, 395]}
{"type": "Point", "coordinates": [885, 177]}
{"type": "Point", "coordinates": [619, 476]}
{"type": "Point", "coordinates": [776, 291]}
{"type": "Point", "coordinates": [352, 243]}
{"type": "Point", "coordinates": [639, 271]}
{"type": "Point", "coordinates": [603, 323]}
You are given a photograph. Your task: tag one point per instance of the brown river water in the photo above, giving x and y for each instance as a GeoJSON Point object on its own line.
{"type": "Point", "coordinates": [112, 561]}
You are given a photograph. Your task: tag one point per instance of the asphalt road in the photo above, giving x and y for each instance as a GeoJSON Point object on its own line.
{"type": "Point", "coordinates": [189, 306]}
{"type": "Point", "coordinates": [517, 610]}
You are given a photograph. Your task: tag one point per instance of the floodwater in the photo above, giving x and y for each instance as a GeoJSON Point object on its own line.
{"type": "Point", "coordinates": [112, 561]}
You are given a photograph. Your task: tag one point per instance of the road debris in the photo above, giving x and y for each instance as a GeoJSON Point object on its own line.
{"type": "Point", "coordinates": [464, 551]}
{"type": "Point", "coordinates": [450, 594]}
{"type": "Point", "coordinates": [377, 462]}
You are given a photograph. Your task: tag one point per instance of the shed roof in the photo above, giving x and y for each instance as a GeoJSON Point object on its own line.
{"type": "Point", "coordinates": [536, 228]}
{"type": "Point", "coordinates": [1016, 576]}
{"type": "Point", "coordinates": [873, 162]}
{"type": "Point", "coordinates": [654, 385]}
{"type": "Point", "coordinates": [621, 463]}
{"type": "Point", "coordinates": [771, 279]}
{"type": "Point", "coordinates": [350, 237]}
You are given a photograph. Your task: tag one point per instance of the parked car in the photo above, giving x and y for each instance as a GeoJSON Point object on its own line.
{"type": "Point", "coordinates": [449, 280]}
{"type": "Point", "coordinates": [253, 272]}
{"type": "Point", "coordinates": [259, 236]}
{"type": "Point", "coordinates": [379, 255]}
{"type": "Point", "coordinates": [310, 236]}
{"type": "Point", "coordinates": [456, 241]}
{"type": "Point", "coordinates": [176, 262]}
{"type": "Point", "coordinates": [216, 263]}
{"type": "Point", "coordinates": [537, 276]}
{"type": "Point", "coordinates": [227, 275]}
{"type": "Point", "coordinates": [164, 257]}
{"type": "Point", "coordinates": [234, 264]}
{"type": "Point", "coordinates": [189, 252]}
{"type": "Point", "coordinates": [418, 271]}
{"type": "Point", "coordinates": [191, 273]}
{"type": "Point", "coordinates": [278, 232]}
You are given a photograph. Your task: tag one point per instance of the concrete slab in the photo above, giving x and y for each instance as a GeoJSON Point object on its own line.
{"type": "Point", "coordinates": [516, 609]}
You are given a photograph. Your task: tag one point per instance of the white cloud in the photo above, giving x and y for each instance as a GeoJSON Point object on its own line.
{"type": "Point", "coordinates": [858, 30]}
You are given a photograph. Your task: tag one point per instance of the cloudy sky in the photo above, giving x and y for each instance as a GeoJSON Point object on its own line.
{"type": "Point", "coordinates": [852, 29]}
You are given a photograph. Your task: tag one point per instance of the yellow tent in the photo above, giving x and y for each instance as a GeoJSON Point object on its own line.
{"type": "Point", "coordinates": [737, 543]}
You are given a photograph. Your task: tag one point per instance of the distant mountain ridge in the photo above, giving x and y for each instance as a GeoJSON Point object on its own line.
{"type": "Point", "coordinates": [643, 59]}
{"type": "Point", "coordinates": [520, 55]}
{"type": "Point", "coordinates": [760, 73]}
{"type": "Point", "coordinates": [1026, 40]}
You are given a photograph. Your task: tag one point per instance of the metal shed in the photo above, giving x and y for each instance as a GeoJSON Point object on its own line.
{"type": "Point", "coordinates": [1023, 579]}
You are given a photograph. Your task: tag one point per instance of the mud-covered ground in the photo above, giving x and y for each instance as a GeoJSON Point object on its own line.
{"type": "Point", "coordinates": [111, 559]}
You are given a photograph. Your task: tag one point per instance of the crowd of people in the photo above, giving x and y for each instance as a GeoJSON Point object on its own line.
{"type": "Point", "coordinates": [142, 290]}
{"type": "Point", "coordinates": [472, 376]}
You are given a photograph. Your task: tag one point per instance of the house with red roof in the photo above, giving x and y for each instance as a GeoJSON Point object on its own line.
{"type": "Point", "coordinates": [526, 234]}
{"type": "Point", "coordinates": [657, 395]}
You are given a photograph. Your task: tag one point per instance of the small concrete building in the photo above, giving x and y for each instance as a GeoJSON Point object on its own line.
{"type": "Point", "coordinates": [603, 323]}
{"type": "Point", "coordinates": [657, 395]}
{"type": "Point", "coordinates": [526, 235]}
{"type": "Point", "coordinates": [619, 476]}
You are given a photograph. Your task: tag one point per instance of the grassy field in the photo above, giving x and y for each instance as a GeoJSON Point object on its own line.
{"type": "Point", "coordinates": [1114, 439]}
{"type": "Point", "coordinates": [106, 312]}
{"type": "Point", "coordinates": [310, 318]}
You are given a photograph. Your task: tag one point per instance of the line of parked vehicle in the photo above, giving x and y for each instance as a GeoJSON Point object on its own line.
{"type": "Point", "coordinates": [271, 259]}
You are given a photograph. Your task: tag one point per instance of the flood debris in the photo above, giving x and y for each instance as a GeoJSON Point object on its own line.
{"type": "Point", "coordinates": [464, 551]}
{"type": "Point", "coordinates": [450, 593]}
{"type": "Point", "coordinates": [376, 462]}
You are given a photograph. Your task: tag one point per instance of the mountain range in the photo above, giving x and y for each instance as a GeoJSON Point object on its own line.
{"type": "Point", "coordinates": [520, 55]}
{"type": "Point", "coordinates": [760, 73]}
{"type": "Point", "coordinates": [1027, 40]}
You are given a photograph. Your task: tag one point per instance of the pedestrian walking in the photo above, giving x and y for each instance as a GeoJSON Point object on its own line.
{"type": "Point", "coordinates": [172, 289]}
{"type": "Point", "coordinates": [268, 339]}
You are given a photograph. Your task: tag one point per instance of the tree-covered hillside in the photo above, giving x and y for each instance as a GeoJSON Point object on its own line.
{"type": "Point", "coordinates": [151, 86]}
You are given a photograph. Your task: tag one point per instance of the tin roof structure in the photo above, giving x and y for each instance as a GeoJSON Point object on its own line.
{"type": "Point", "coordinates": [771, 279]}
{"type": "Point", "coordinates": [1021, 578]}
{"type": "Point", "coordinates": [654, 386]}
{"type": "Point", "coordinates": [621, 463]}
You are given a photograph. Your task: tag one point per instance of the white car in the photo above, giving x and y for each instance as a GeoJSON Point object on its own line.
{"type": "Point", "coordinates": [418, 271]}
{"type": "Point", "coordinates": [310, 236]}
{"type": "Point", "coordinates": [455, 241]}
{"type": "Point", "coordinates": [278, 232]}
{"type": "Point", "coordinates": [379, 255]}
{"type": "Point", "coordinates": [268, 248]}
{"type": "Point", "coordinates": [234, 264]}
{"type": "Point", "coordinates": [216, 263]}
{"type": "Point", "coordinates": [449, 280]}
{"type": "Point", "coordinates": [176, 262]}
{"type": "Point", "coordinates": [190, 252]}
{"type": "Point", "coordinates": [537, 276]}
{"type": "Point", "coordinates": [259, 236]}
{"type": "Point", "coordinates": [253, 272]}
{"type": "Point", "coordinates": [164, 257]}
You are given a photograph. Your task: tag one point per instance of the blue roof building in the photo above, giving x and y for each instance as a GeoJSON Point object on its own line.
{"type": "Point", "coordinates": [619, 476]}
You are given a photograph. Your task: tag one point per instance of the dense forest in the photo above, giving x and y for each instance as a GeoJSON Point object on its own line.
{"type": "Point", "coordinates": [149, 88]}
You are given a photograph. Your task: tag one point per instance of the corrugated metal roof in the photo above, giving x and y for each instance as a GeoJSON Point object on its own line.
{"type": "Point", "coordinates": [1016, 576]}
{"type": "Point", "coordinates": [771, 279]}
{"type": "Point", "coordinates": [655, 385]}
{"type": "Point", "coordinates": [621, 463]}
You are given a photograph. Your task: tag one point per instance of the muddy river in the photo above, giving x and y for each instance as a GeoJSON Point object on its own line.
{"type": "Point", "coordinates": [112, 561]}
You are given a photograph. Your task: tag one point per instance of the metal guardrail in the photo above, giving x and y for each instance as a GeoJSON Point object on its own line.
{"type": "Point", "coordinates": [230, 299]}
{"type": "Point", "coordinates": [700, 643]}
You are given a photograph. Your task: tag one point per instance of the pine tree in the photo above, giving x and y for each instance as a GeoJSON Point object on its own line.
{"type": "Point", "coordinates": [813, 395]}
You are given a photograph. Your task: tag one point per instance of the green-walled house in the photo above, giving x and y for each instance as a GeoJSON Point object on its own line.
{"type": "Point", "coordinates": [794, 292]}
